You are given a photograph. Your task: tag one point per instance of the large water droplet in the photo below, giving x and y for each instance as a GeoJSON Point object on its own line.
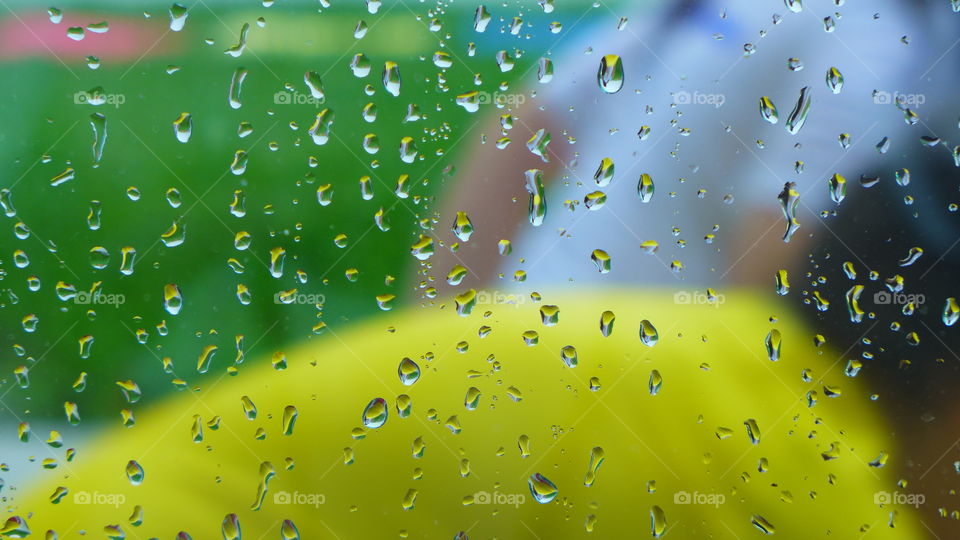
{"type": "Point", "coordinates": [542, 489]}
{"type": "Point", "coordinates": [409, 372]}
{"type": "Point", "coordinates": [375, 413]}
{"type": "Point", "coordinates": [648, 333]}
{"type": "Point", "coordinates": [610, 74]}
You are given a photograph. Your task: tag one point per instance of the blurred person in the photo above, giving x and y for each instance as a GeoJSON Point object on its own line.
{"type": "Point", "coordinates": [717, 167]}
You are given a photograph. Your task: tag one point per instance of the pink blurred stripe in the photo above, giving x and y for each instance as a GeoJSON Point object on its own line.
{"type": "Point", "coordinates": [33, 35]}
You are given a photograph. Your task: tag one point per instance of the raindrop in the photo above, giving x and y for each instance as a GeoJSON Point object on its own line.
{"type": "Point", "coordinates": [375, 413]}
{"type": "Point", "coordinates": [134, 473]}
{"type": "Point", "coordinates": [834, 80]}
{"type": "Point", "coordinates": [772, 343]}
{"type": "Point", "coordinates": [409, 372]}
{"type": "Point", "coordinates": [568, 355]}
{"type": "Point", "coordinates": [768, 111]}
{"type": "Point", "coordinates": [236, 86]}
{"type": "Point", "coordinates": [799, 115]}
{"type": "Point", "coordinates": [183, 127]}
{"type": "Point", "coordinates": [789, 199]}
{"type": "Point", "coordinates": [610, 74]}
{"type": "Point", "coordinates": [98, 123]}
{"type": "Point", "coordinates": [542, 489]}
{"type": "Point", "coordinates": [537, 207]}
{"type": "Point", "coordinates": [645, 188]}
{"type": "Point", "coordinates": [648, 333]}
{"type": "Point", "coordinates": [178, 17]}
{"type": "Point", "coordinates": [391, 78]}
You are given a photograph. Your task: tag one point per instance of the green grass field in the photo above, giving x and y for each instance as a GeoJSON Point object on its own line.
{"type": "Point", "coordinates": [141, 152]}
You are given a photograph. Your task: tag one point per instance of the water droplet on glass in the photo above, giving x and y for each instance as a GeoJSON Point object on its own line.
{"type": "Point", "coordinates": [172, 300]}
{"type": "Point", "coordinates": [799, 114]}
{"type": "Point", "coordinates": [375, 413]}
{"type": "Point", "coordinates": [568, 355]}
{"type": "Point", "coordinates": [645, 188]}
{"type": "Point", "coordinates": [834, 80]}
{"type": "Point", "coordinates": [789, 199]}
{"type": "Point", "coordinates": [409, 372]}
{"type": "Point", "coordinates": [391, 78]}
{"type": "Point", "coordinates": [768, 111]}
{"type": "Point", "coordinates": [178, 17]}
{"type": "Point", "coordinates": [610, 74]}
{"type": "Point", "coordinates": [289, 419]}
{"type": "Point", "coordinates": [236, 87]}
{"type": "Point", "coordinates": [772, 344]}
{"type": "Point", "coordinates": [648, 334]}
{"type": "Point", "coordinates": [542, 489]}
{"type": "Point", "coordinates": [658, 521]}
{"type": "Point", "coordinates": [134, 473]}
{"type": "Point", "coordinates": [183, 127]}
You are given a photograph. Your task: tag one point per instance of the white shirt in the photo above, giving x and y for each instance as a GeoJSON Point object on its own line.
{"type": "Point", "coordinates": [715, 86]}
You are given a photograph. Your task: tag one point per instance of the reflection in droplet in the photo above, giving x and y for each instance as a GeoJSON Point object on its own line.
{"type": "Point", "coordinates": [236, 87]}
{"type": "Point", "coordinates": [206, 357]}
{"type": "Point", "coordinates": [568, 355]}
{"type": "Point", "coordinates": [409, 372]}
{"type": "Point", "coordinates": [607, 318]}
{"type": "Point", "coordinates": [542, 489]}
{"type": "Point", "coordinates": [772, 343]}
{"type": "Point", "coordinates": [645, 188]}
{"type": "Point", "coordinates": [789, 199]}
{"type": "Point", "coordinates": [799, 114]}
{"type": "Point", "coordinates": [178, 17]}
{"type": "Point", "coordinates": [610, 74]}
{"type": "Point", "coordinates": [183, 127]}
{"type": "Point", "coordinates": [648, 333]}
{"type": "Point", "coordinates": [230, 528]}
{"type": "Point", "coordinates": [834, 80]}
{"type": "Point", "coordinates": [391, 78]}
{"type": "Point", "coordinates": [134, 473]}
{"type": "Point", "coordinates": [172, 300]}
{"type": "Point", "coordinates": [768, 111]}
{"type": "Point", "coordinates": [289, 419]}
{"type": "Point", "coordinates": [658, 521]}
{"type": "Point", "coordinates": [99, 124]}
{"type": "Point", "coordinates": [537, 208]}
{"type": "Point", "coordinates": [375, 413]}
{"type": "Point", "coordinates": [951, 312]}
{"type": "Point", "coordinates": [596, 459]}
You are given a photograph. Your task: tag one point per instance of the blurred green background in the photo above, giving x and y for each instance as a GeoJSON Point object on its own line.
{"type": "Point", "coordinates": [141, 151]}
